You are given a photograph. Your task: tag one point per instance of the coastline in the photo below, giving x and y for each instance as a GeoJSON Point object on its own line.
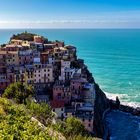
{"type": "Point", "coordinates": [52, 34]}
{"type": "Point", "coordinates": [103, 102]}
{"type": "Point", "coordinates": [112, 96]}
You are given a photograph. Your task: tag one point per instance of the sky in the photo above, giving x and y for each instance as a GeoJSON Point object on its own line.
{"type": "Point", "coordinates": [69, 13]}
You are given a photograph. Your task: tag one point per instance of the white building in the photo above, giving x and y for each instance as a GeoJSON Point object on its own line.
{"type": "Point", "coordinates": [64, 65]}
{"type": "Point", "coordinates": [43, 73]}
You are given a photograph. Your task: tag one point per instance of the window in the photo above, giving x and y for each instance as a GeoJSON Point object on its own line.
{"type": "Point", "coordinates": [79, 87]}
{"type": "Point", "coordinates": [44, 70]}
{"type": "Point", "coordinates": [48, 74]}
{"type": "Point", "coordinates": [61, 109]}
{"type": "Point", "coordinates": [35, 75]}
{"type": "Point", "coordinates": [53, 110]}
{"type": "Point", "coordinates": [39, 75]}
{"type": "Point", "coordinates": [83, 120]}
{"type": "Point", "coordinates": [89, 125]}
{"type": "Point", "coordinates": [48, 70]}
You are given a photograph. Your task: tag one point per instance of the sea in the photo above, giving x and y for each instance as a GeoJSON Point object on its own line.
{"type": "Point", "coordinates": [113, 57]}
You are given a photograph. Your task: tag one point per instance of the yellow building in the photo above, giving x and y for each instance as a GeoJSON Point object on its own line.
{"type": "Point", "coordinates": [43, 73]}
{"type": "Point", "coordinates": [12, 58]}
{"type": "Point", "coordinates": [16, 42]}
{"type": "Point", "coordinates": [25, 43]}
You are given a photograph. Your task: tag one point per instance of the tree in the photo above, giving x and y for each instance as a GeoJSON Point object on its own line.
{"type": "Point", "coordinates": [19, 92]}
{"type": "Point", "coordinates": [74, 126]}
{"type": "Point", "coordinates": [71, 127]}
{"type": "Point", "coordinates": [41, 111]}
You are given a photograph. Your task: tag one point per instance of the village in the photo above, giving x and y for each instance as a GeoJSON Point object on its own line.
{"type": "Point", "coordinates": [59, 78]}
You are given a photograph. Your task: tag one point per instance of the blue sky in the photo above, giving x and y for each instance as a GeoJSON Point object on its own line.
{"type": "Point", "coordinates": [69, 13]}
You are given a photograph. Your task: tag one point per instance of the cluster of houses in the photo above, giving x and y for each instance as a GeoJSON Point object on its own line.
{"type": "Point", "coordinates": [55, 72]}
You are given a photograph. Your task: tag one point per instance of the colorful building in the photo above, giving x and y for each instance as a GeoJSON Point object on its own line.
{"type": "Point", "coordinates": [61, 92]}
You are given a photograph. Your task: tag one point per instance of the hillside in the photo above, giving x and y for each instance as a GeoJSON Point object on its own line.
{"type": "Point", "coordinates": [19, 121]}
{"type": "Point", "coordinates": [26, 36]}
{"type": "Point", "coordinates": [15, 123]}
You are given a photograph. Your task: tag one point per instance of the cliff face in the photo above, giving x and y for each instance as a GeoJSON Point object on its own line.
{"type": "Point", "coordinates": [101, 104]}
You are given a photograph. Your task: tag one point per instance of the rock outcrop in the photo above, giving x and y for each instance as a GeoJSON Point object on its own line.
{"type": "Point", "coordinates": [101, 104]}
{"type": "Point", "coordinates": [132, 110]}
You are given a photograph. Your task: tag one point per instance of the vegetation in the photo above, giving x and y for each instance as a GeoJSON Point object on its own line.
{"type": "Point", "coordinates": [27, 120]}
{"type": "Point", "coordinates": [16, 124]}
{"type": "Point", "coordinates": [2, 45]}
{"type": "Point", "coordinates": [73, 129]}
{"type": "Point", "coordinates": [41, 111]}
{"type": "Point", "coordinates": [18, 92]}
{"type": "Point", "coordinates": [26, 36]}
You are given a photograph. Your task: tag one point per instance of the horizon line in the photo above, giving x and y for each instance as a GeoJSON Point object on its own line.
{"type": "Point", "coordinates": [68, 28]}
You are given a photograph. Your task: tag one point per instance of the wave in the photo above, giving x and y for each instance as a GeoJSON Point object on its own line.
{"type": "Point", "coordinates": [124, 98]}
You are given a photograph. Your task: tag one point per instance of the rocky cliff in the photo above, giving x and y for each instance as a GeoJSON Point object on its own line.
{"type": "Point", "coordinates": [101, 104]}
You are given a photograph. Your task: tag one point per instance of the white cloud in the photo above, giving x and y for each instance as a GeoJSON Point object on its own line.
{"type": "Point", "coordinates": [97, 23]}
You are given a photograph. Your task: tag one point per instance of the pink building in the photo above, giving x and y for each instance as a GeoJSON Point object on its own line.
{"type": "Point", "coordinates": [86, 114]}
{"type": "Point", "coordinates": [38, 39]}
{"type": "Point", "coordinates": [61, 92]}
{"type": "Point", "coordinates": [76, 85]}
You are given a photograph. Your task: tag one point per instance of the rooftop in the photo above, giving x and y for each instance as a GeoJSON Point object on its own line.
{"type": "Point", "coordinates": [82, 80]}
{"type": "Point", "coordinates": [57, 104]}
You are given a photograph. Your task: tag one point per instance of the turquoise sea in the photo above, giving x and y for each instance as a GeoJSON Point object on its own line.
{"type": "Point", "coordinates": [112, 55]}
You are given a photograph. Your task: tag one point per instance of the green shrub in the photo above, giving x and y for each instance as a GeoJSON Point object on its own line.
{"type": "Point", "coordinates": [19, 92]}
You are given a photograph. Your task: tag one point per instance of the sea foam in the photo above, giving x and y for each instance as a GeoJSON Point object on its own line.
{"type": "Point", "coordinates": [126, 102]}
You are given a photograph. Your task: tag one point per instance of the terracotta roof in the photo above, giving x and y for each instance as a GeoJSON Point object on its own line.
{"type": "Point", "coordinates": [57, 104]}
